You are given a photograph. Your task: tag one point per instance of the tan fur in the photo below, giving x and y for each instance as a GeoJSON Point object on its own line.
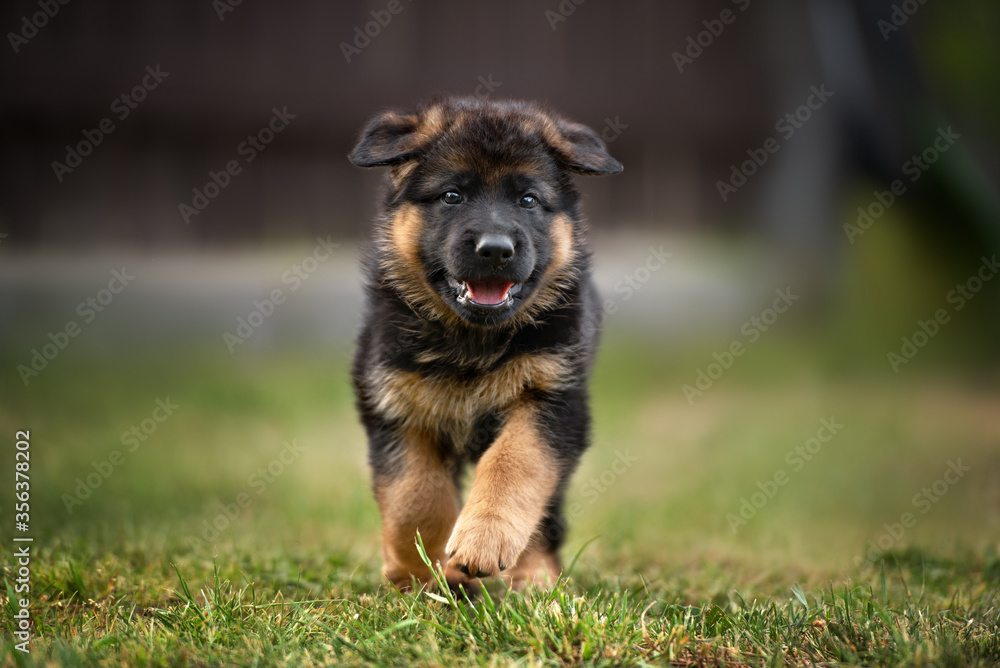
{"type": "Point", "coordinates": [557, 274]}
{"type": "Point", "coordinates": [514, 481]}
{"type": "Point", "coordinates": [427, 127]}
{"type": "Point", "coordinates": [554, 137]}
{"type": "Point", "coordinates": [423, 498]}
{"type": "Point", "coordinates": [406, 229]}
{"type": "Point", "coordinates": [392, 118]}
{"type": "Point", "coordinates": [399, 174]}
{"type": "Point", "coordinates": [431, 403]}
{"type": "Point", "coordinates": [432, 124]}
{"type": "Point", "coordinates": [400, 239]}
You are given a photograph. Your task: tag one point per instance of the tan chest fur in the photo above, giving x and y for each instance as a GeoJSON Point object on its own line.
{"type": "Point", "coordinates": [435, 404]}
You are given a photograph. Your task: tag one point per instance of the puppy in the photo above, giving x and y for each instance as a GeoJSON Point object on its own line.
{"type": "Point", "coordinates": [479, 334]}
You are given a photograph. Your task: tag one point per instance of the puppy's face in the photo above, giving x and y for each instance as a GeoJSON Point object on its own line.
{"type": "Point", "coordinates": [481, 213]}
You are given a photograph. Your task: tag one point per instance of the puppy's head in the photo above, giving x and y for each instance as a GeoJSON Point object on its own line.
{"type": "Point", "coordinates": [481, 220]}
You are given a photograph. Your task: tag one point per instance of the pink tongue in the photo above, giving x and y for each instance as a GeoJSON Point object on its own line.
{"type": "Point", "coordinates": [489, 292]}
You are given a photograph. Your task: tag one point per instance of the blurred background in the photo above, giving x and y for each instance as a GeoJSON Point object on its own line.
{"type": "Point", "coordinates": [820, 177]}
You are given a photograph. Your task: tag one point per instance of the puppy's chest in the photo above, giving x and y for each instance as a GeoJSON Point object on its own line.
{"type": "Point", "coordinates": [442, 402]}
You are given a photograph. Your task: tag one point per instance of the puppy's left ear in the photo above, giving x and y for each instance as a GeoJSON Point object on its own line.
{"type": "Point", "coordinates": [584, 150]}
{"type": "Point", "coordinates": [388, 139]}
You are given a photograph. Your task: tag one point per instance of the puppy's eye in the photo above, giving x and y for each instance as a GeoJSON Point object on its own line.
{"type": "Point", "coordinates": [529, 201]}
{"type": "Point", "coordinates": [451, 197]}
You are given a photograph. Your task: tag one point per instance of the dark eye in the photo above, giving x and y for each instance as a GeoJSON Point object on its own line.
{"type": "Point", "coordinates": [451, 197]}
{"type": "Point", "coordinates": [529, 201]}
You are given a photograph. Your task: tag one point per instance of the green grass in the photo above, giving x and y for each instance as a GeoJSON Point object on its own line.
{"type": "Point", "coordinates": [129, 578]}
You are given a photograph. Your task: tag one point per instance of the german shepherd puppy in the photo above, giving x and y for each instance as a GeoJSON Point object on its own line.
{"type": "Point", "coordinates": [480, 328]}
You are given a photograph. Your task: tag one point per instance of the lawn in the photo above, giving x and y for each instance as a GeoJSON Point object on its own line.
{"type": "Point", "coordinates": [793, 515]}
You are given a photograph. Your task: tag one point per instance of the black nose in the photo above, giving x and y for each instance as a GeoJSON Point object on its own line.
{"type": "Point", "coordinates": [496, 249]}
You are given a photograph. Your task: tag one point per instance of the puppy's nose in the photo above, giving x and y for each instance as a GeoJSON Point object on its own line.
{"type": "Point", "coordinates": [497, 249]}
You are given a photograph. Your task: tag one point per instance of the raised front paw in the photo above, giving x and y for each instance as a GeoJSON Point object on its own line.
{"type": "Point", "coordinates": [483, 545]}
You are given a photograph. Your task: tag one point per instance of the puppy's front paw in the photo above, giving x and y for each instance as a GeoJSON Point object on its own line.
{"type": "Point", "coordinates": [483, 545]}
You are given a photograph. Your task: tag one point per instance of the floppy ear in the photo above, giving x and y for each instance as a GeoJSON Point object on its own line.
{"type": "Point", "coordinates": [584, 150]}
{"type": "Point", "coordinates": [388, 139]}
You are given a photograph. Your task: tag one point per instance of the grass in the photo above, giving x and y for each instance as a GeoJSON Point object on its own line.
{"type": "Point", "coordinates": [135, 576]}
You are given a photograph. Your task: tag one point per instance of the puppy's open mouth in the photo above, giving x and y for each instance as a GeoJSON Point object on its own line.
{"type": "Point", "coordinates": [491, 292]}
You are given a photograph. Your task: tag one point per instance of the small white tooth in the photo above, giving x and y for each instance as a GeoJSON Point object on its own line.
{"type": "Point", "coordinates": [463, 293]}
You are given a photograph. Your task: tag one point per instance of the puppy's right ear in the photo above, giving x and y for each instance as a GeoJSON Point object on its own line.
{"type": "Point", "coordinates": [388, 139]}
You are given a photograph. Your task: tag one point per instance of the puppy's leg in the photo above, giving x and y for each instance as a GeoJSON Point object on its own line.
{"type": "Point", "coordinates": [539, 564]}
{"type": "Point", "coordinates": [417, 492]}
{"type": "Point", "coordinates": [515, 479]}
